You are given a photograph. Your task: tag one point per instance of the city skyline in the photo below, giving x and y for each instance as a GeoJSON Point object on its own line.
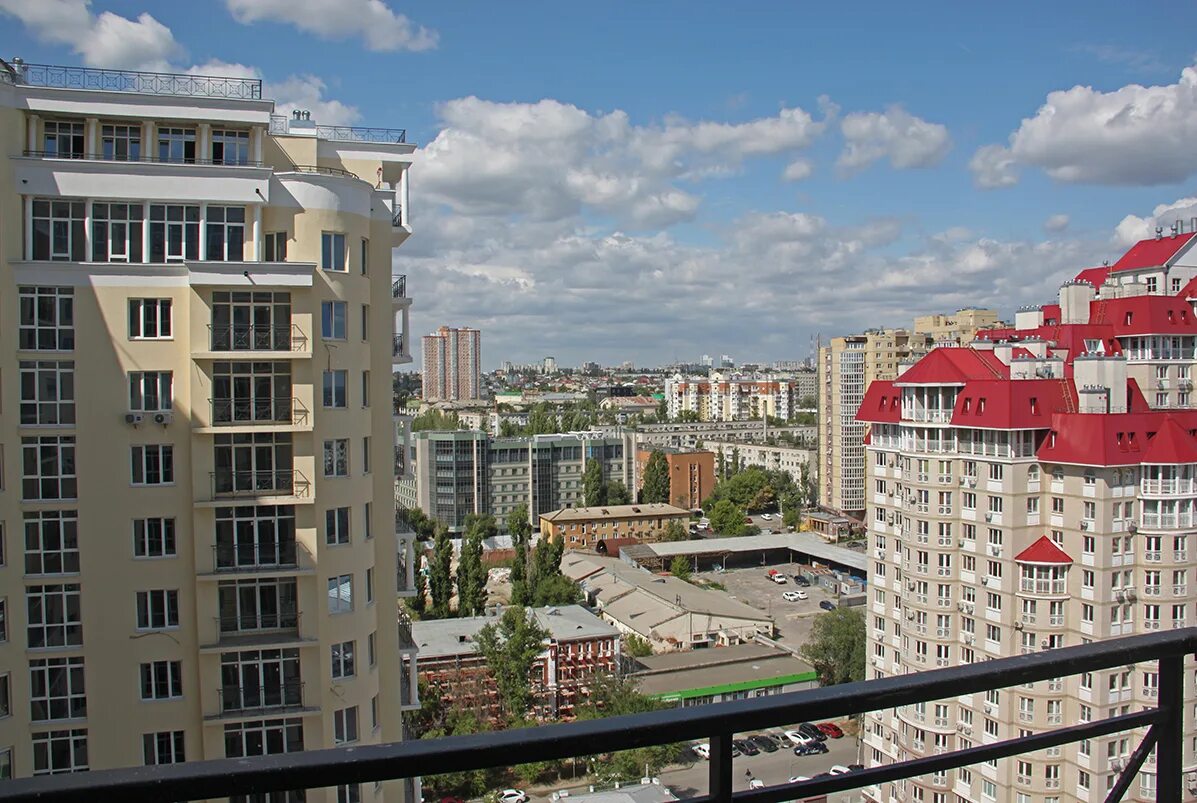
{"type": "Point", "coordinates": [639, 180]}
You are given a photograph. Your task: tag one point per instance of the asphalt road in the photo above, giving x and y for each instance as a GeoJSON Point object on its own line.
{"type": "Point", "coordinates": [753, 587]}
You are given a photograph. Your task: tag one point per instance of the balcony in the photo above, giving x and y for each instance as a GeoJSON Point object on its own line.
{"type": "Point", "coordinates": [286, 340]}
{"type": "Point", "coordinates": [144, 83]}
{"type": "Point", "coordinates": [140, 159]}
{"type": "Point", "coordinates": [1165, 731]}
{"type": "Point", "coordinates": [399, 287]}
{"type": "Point", "coordinates": [284, 557]}
{"type": "Point", "coordinates": [283, 483]}
{"type": "Point", "coordinates": [399, 353]}
{"type": "Point", "coordinates": [276, 413]}
{"type": "Point", "coordinates": [343, 133]}
{"type": "Point", "coordinates": [278, 697]}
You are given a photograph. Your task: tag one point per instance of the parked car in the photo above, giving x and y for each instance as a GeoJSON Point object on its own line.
{"type": "Point", "coordinates": [513, 796]}
{"type": "Point", "coordinates": [702, 750]}
{"type": "Point", "coordinates": [748, 519]}
{"type": "Point", "coordinates": [780, 579]}
{"type": "Point", "coordinates": [811, 748]}
{"type": "Point", "coordinates": [766, 517]}
{"type": "Point", "coordinates": [810, 730]}
{"type": "Point", "coordinates": [827, 605]}
{"type": "Point", "coordinates": [830, 729]}
{"type": "Point", "coordinates": [756, 783]}
{"type": "Point", "coordinates": [746, 747]}
{"type": "Point", "coordinates": [764, 742]}
{"type": "Point", "coordinates": [839, 769]}
{"type": "Point", "coordinates": [802, 581]}
{"type": "Point", "coordinates": [776, 531]}
{"type": "Point", "coordinates": [802, 594]}
{"type": "Point", "coordinates": [798, 737]}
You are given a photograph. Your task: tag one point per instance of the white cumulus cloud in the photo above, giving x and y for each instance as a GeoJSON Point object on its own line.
{"type": "Point", "coordinates": [895, 134]}
{"type": "Point", "coordinates": [1132, 136]}
{"type": "Point", "coordinates": [798, 170]}
{"type": "Point", "coordinates": [100, 40]}
{"type": "Point", "coordinates": [373, 21]}
{"type": "Point", "coordinates": [1056, 223]}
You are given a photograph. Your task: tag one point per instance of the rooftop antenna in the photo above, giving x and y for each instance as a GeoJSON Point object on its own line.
{"type": "Point", "coordinates": [1159, 232]}
{"type": "Point", "coordinates": [1175, 226]}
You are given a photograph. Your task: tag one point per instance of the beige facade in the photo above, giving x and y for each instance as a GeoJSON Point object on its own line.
{"type": "Point", "coordinates": [199, 324]}
{"type": "Point", "coordinates": [451, 367]}
{"type": "Point", "coordinates": [846, 367]}
{"type": "Point", "coordinates": [723, 397]}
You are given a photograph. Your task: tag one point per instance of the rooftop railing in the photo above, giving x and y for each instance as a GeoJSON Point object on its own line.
{"type": "Point", "coordinates": [362, 763]}
{"type": "Point", "coordinates": [344, 133]}
{"type": "Point", "coordinates": [145, 83]}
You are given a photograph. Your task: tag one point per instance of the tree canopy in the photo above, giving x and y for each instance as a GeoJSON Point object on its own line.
{"type": "Point", "coordinates": [836, 646]}
{"type": "Point", "coordinates": [617, 493]}
{"type": "Point", "coordinates": [510, 647]}
{"type": "Point", "coordinates": [471, 574]}
{"type": "Point", "coordinates": [594, 489]}
{"type": "Point", "coordinates": [612, 696]}
{"type": "Point", "coordinates": [440, 578]}
{"type": "Point", "coordinates": [675, 531]}
{"type": "Point", "coordinates": [518, 523]}
{"type": "Point", "coordinates": [679, 567]}
{"type": "Point", "coordinates": [432, 419]}
{"type": "Point", "coordinates": [726, 518]}
{"type": "Point", "coordinates": [655, 484]}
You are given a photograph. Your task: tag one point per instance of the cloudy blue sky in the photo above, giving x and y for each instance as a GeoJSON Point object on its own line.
{"type": "Point", "coordinates": [656, 180]}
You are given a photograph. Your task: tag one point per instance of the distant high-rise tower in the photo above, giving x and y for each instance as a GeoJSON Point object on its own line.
{"type": "Point", "coordinates": [451, 364]}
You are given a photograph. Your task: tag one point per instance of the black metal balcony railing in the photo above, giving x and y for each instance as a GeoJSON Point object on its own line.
{"type": "Point", "coordinates": [98, 157]}
{"type": "Point", "coordinates": [399, 286]}
{"type": "Point", "coordinates": [233, 337]}
{"type": "Point", "coordinates": [397, 216]}
{"type": "Point", "coordinates": [278, 410]}
{"type": "Point", "coordinates": [272, 482]}
{"type": "Point", "coordinates": [323, 171]}
{"type": "Point", "coordinates": [145, 83]}
{"type": "Point", "coordinates": [397, 346]}
{"type": "Point", "coordinates": [250, 556]}
{"type": "Point", "coordinates": [282, 619]}
{"type": "Point", "coordinates": [718, 722]}
{"type": "Point", "coordinates": [243, 699]}
{"type": "Point", "coordinates": [344, 133]}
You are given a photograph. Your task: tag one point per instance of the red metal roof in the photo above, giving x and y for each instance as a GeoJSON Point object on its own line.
{"type": "Point", "coordinates": [1153, 253]}
{"type": "Point", "coordinates": [1172, 444]}
{"type": "Point", "coordinates": [1017, 404]}
{"type": "Point", "coordinates": [882, 403]}
{"type": "Point", "coordinates": [1043, 551]}
{"type": "Point", "coordinates": [1094, 276]}
{"type": "Point", "coordinates": [954, 366]}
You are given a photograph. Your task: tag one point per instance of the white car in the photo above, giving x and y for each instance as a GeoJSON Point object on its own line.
{"type": "Point", "coordinates": [756, 783]}
{"type": "Point", "coordinates": [799, 738]}
{"type": "Point", "coordinates": [766, 517]}
{"type": "Point", "coordinates": [513, 796]}
{"type": "Point", "coordinates": [793, 596]}
{"type": "Point", "coordinates": [839, 769]}
{"type": "Point", "coordinates": [797, 778]}
{"type": "Point", "coordinates": [780, 579]}
{"type": "Point", "coordinates": [702, 750]}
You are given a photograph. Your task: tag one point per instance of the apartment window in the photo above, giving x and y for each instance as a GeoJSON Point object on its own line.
{"type": "Point", "coordinates": [374, 712]}
{"type": "Point", "coordinates": [116, 232]}
{"type": "Point", "coordinates": [335, 388]}
{"type": "Point", "coordinates": [367, 528]}
{"type": "Point", "coordinates": [366, 454]}
{"type": "Point", "coordinates": [150, 391]}
{"type": "Point", "coordinates": [47, 319]}
{"type": "Point", "coordinates": [153, 464]}
{"type": "Point", "coordinates": [55, 616]}
{"type": "Point", "coordinates": [252, 536]}
{"type": "Point", "coordinates": [56, 689]}
{"type": "Point", "coordinates": [263, 737]}
{"type": "Point", "coordinates": [47, 392]}
{"type": "Point", "coordinates": [365, 388]}
{"type": "Point", "coordinates": [342, 659]}
{"type": "Point", "coordinates": [157, 609]}
{"type": "Point", "coordinates": [345, 725]}
{"type": "Point", "coordinates": [365, 254]}
{"type": "Point", "coordinates": [5, 701]}
{"type": "Point", "coordinates": [260, 678]}
{"type": "Point", "coordinates": [365, 322]}
{"type": "Point", "coordinates": [332, 320]}
{"type": "Point", "coordinates": [340, 594]}
{"type": "Point", "coordinates": [247, 605]}
{"type": "Point", "coordinates": [60, 751]}
{"type": "Point", "coordinates": [225, 233]}
{"type": "Point", "coordinates": [162, 680]}
{"type": "Point", "coordinates": [370, 586]}
{"type": "Point", "coordinates": [154, 538]}
{"type": "Point", "coordinates": [52, 542]}
{"type": "Point", "coordinates": [120, 143]}
{"type": "Point", "coordinates": [275, 247]}
{"type": "Point", "coordinates": [332, 251]}
{"type": "Point", "coordinates": [349, 793]}
{"type": "Point", "coordinates": [336, 526]}
{"type": "Point", "coordinates": [3, 620]}
{"type": "Point", "coordinates": [63, 140]}
{"type": "Point", "coordinates": [230, 147]}
{"type": "Point", "coordinates": [174, 232]}
{"type": "Point", "coordinates": [176, 144]}
{"type": "Point", "coordinates": [336, 458]}
{"type": "Point", "coordinates": [49, 468]}
{"type": "Point", "coordinates": [164, 747]}
{"type": "Point", "coordinates": [59, 232]}
{"type": "Point", "coordinates": [370, 650]}
{"type": "Point", "coordinates": [1090, 510]}
{"type": "Point", "coordinates": [150, 318]}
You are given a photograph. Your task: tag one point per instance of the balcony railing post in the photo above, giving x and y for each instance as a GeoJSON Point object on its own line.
{"type": "Point", "coordinates": [1169, 760]}
{"type": "Point", "coordinates": [720, 783]}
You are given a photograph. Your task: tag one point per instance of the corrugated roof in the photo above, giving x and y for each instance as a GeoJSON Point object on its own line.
{"type": "Point", "coordinates": [803, 543]}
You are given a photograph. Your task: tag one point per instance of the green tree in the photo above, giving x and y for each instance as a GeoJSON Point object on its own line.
{"type": "Point", "coordinates": [440, 578]}
{"type": "Point", "coordinates": [726, 518]}
{"type": "Point", "coordinates": [418, 604]}
{"type": "Point", "coordinates": [836, 646]}
{"type": "Point", "coordinates": [617, 493]}
{"type": "Point", "coordinates": [508, 429]}
{"type": "Point", "coordinates": [435, 420]}
{"type": "Point", "coordinates": [556, 590]}
{"type": "Point", "coordinates": [675, 531]}
{"type": "Point", "coordinates": [519, 575]}
{"type": "Point", "coordinates": [510, 647]}
{"type": "Point", "coordinates": [449, 720]}
{"type": "Point", "coordinates": [655, 485]}
{"type": "Point", "coordinates": [421, 524]}
{"type": "Point", "coordinates": [679, 567]}
{"type": "Point", "coordinates": [518, 524]}
{"type": "Point", "coordinates": [792, 517]}
{"type": "Point", "coordinates": [808, 403]}
{"type": "Point", "coordinates": [637, 646]}
{"type": "Point", "coordinates": [471, 574]}
{"type": "Point", "coordinates": [613, 696]}
{"type": "Point", "coordinates": [808, 487]}
{"type": "Point", "coordinates": [594, 491]}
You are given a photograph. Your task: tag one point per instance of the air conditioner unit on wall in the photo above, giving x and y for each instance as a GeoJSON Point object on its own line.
{"type": "Point", "coordinates": [133, 418]}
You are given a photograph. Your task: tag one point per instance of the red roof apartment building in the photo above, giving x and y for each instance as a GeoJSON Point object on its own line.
{"type": "Point", "coordinates": [1036, 489]}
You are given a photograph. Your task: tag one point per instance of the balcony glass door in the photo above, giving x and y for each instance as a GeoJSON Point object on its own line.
{"type": "Point", "coordinates": [244, 392]}
{"type": "Point", "coordinates": [251, 321]}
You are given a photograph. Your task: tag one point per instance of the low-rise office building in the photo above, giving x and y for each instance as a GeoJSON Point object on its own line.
{"type": "Point", "coordinates": [691, 473]}
{"type": "Point", "coordinates": [580, 646]}
{"type": "Point", "coordinates": [727, 673]}
{"type": "Point", "coordinates": [584, 527]}
{"type": "Point", "coordinates": [790, 459]}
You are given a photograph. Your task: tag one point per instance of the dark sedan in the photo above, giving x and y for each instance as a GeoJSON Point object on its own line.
{"type": "Point", "coordinates": [827, 605]}
{"type": "Point", "coordinates": [746, 747]}
{"type": "Point", "coordinates": [764, 743]}
{"type": "Point", "coordinates": [811, 749]}
{"type": "Point", "coordinates": [812, 731]}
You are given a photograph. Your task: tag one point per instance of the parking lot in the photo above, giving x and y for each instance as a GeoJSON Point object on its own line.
{"type": "Point", "coordinates": [753, 587]}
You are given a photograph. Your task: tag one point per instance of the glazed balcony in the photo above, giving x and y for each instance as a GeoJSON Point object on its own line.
{"type": "Point", "coordinates": [1161, 728]}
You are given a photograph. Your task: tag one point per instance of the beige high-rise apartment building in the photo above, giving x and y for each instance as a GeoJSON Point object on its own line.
{"type": "Point", "coordinates": [197, 334]}
{"type": "Point", "coordinates": [724, 397]}
{"type": "Point", "coordinates": [846, 367]}
{"type": "Point", "coordinates": [1037, 489]}
{"type": "Point", "coordinates": [452, 365]}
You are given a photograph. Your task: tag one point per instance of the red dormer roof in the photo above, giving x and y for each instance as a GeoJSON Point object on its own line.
{"type": "Point", "coordinates": [1171, 445]}
{"type": "Point", "coordinates": [1154, 253]}
{"type": "Point", "coordinates": [882, 403]}
{"type": "Point", "coordinates": [1094, 276]}
{"type": "Point", "coordinates": [954, 366]}
{"type": "Point", "coordinates": [1043, 551]}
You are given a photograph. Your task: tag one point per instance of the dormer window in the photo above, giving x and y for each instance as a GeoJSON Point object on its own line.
{"type": "Point", "coordinates": [1034, 406]}
{"type": "Point", "coordinates": [968, 403]}
{"type": "Point", "coordinates": [1130, 316]}
{"type": "Point", "coordinates": [1152, 284]}
{"type": "Point", "coordinates": [980, 406]}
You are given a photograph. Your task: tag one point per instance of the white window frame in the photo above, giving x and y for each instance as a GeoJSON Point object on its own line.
{"type": "Point", "coordinates": [159, 604]}
{"type": "Point", "coordinates": [337, 526]}
{"type": "Point", "coordinates": [34, 333]}
{"type": "Point", "coordinates": [344, 659]}
{"type": "Point", "coordinates": [333, 254]}
{"type": "Point", "coordinates": [163, 747]}
{"type": "Point", "coordinates": [44, 752]}
{"type": "Point", "coordinates": [340, 594]}
{"type": "Point", "coordinates": [335, 395]}
{"type": "Point", "coordinates": [144, 472]}
{"type": "Point", "coordinates": [52, 540]}
{"type": "Point", "coordinates": [337, 312]}
{"type": "Point", "coordinates": [151, 319]}
{"type": "Point", "coordinates": [151, 391]}
{"type": "Point", "coordinates": [336, 457]}
{"type": "Point", "coordinates": [155, 537]}
{"type": "Point", "coordinates": [55, 616]}
{"type": "Point", "coordinates": [161, 680]}
{"type": "Point", "coordinates": [58, 685]}
{"type": "Point", "coordinates": [346, 728]}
